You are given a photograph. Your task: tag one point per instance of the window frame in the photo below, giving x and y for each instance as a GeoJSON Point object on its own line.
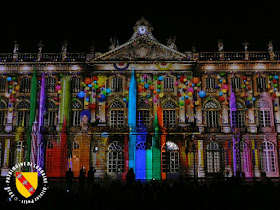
{"type": "Point", "coordinates": [214, 153]}
{"type": "Point", "coordinates": [117, 164]}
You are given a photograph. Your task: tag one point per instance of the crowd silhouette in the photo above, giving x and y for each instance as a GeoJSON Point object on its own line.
{"type": "Point", "coordinates": [222, 193]}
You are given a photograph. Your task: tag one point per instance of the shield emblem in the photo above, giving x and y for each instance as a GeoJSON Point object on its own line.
{"type": "Point", "coordinates": [26, 183]}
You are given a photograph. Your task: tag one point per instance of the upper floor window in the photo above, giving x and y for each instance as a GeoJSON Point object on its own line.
{"type": "Point", "coordinates": [169, 114]}
{"type": "Point", "coordinates": [117, 84]}
{"type": "Point", "coordinates": [261, 84]}
{"type": "Point", "coordinates": [2, 85]}
{"type": "Point", "coordinates": [25, 85]}
{"type": "Point", "coordinates": [75, 85]}
{"type": "Point", "coordinates": [50, 85]}
{"type": "Point", "coordinates": [168, 84]}
{"type": "Point", "coordinates": [210, 85]}
{"type": "Point", "coordinates": [236, 84]}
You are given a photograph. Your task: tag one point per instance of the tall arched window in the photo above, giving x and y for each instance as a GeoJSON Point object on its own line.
{"type": "Point", "coordinates": [144, 113]}
{"type": "Point", "coordinates": [76, 111]}
{"type": "Point", "coordinates": [3, 107]}
{"type": "Point", "coordinates": [50, 116]}
{"type": "Point", "coordinates": [169, 114]}
{"type": "Point", "coordinates": [212, 114]}
{"type": "Point", "coordinates": [239, 115]}
{"type": "Point", "coordinates": [264, 113]}
{"type": "Point", "coordinates": [244, 157]}
{"type": "Point", "coordinates": [170, 157]}
{"type": "Point", "coordinates": [115, 161]}
{"type": "Point", "coordinates": [213, 157]}
{"type": "Point", "coordinates": [22, 113]}
{"type": "Point", "coordinates": [116, 114]}
{"type": "Point", "coordinates": [268, 157]}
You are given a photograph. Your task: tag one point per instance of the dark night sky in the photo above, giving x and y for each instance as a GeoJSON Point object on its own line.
{"type": "Point", "coordinates": [81, 23]}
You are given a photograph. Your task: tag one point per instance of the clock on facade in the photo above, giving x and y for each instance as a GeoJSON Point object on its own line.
{"type": "Point", "coordinates": [142, 29]}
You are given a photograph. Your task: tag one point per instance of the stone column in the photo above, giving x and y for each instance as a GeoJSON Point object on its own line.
{"type": "Point", "coordinates": [5, 165]}
{"type": "Point", "coordinates": [252, 127]}
{"type": "Point", "coordinates": [201, 172]}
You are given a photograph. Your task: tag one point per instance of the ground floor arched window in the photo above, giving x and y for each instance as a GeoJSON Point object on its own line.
{"type": "Point", "coordinates": [268, 157]}
{"type": "Point", "coordinates": [115, 160]}
{"type": "Point", "coordinates": [170, 157]}
{"type": "Point", "coordinates": [244, 157]}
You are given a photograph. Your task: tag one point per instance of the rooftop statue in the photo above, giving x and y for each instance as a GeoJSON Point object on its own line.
{"type": "Point", "coordinates": [16, 47]}
{"type": "Point", "coordinates": [220, 45]}
{"type": "Point", "coordinates": [245, 45]}
{"type": "Point", "coordinates": [171, 42]}
{"type": "Point", "coordinates": [114, 43]}
{"type": "Point", "coordinates": [40, 46]}
{"type": "Point", "coordinates": [270, 46]}
{"type": "Point", "coordinates": [64, 47]}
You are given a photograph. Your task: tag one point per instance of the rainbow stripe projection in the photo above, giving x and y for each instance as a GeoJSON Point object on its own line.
{"type": "Point", "coordinates": [65, 118]}
{"type": "Point", "coordinates": [132, 120]}
{"type": "Point", "coordinates": [32, 112]}
{"type": "Point", "coordinates": [145, 161]}
{"type": "Point", "coordinates": [42, 111]}
{"type": "Point", "coordinates": [255, 153]}
{"type": "Point", "coordinates": [200, 153]}
{"type": "Point", "coordinates": [156, 155]}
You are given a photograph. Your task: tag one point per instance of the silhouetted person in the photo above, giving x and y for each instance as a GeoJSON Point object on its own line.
{"type": "Point", "coordinates": [91, 177]}
{"type": "Point", "coordinates": [82, 179]}
{"type": "Point", "coordinates": [130, 176]}
{"type": "Point", "coordinates": [69, 179]}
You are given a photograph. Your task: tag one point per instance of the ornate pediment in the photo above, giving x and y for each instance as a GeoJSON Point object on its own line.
{"type": "Point", "coordinates": [142, 48]}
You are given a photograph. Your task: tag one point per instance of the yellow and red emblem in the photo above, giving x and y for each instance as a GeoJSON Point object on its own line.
{"type": "Point", "coordinates": [26, 183]}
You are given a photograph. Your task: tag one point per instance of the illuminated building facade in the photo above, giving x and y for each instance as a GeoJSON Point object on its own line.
{"type": "Point", "coordinates": [142, 105]}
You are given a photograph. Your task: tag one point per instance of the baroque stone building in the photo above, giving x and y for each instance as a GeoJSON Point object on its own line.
{"type": "Point", "coordinates": [141, 105]}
